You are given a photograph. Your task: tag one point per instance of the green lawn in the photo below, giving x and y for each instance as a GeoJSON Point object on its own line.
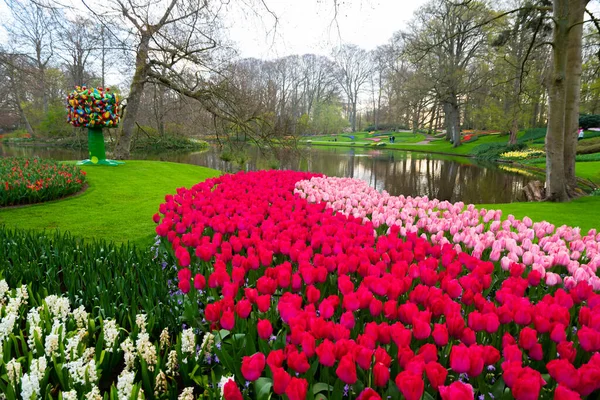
{"type": "Point", "coordinates": [118, 204]}
{"type": "Point", "coordinates": [583, 212]}
{"type": "Point", "coordinates": [584, 169]}
{"type": "Point", "coordinates": [406, 141]}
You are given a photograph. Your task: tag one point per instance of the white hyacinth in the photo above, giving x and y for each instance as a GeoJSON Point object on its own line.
{"type": "Point", "coordinates": [129, 353]}
{"type": "Point", "coordinates": [3, 290]}
{"type": "Point", "coordinates": [72, 347]}
{"type": "Point", "coordinates": [125, 384]}
{"type": "Point", "coordinates": [70, 395]}
{"type": "Point", "coordinates": [187, 394]}
{"type": "Point", "coordinates": [33, 320]}
{"type": "Point", "coordinates": [207, 344]}
{"type": "Point", "coordinates": [23, 293]}
{"type": "Point", "coordinates": [111, 332]}
{"type": "Point", "coordinates": [37, 368]}
{"type": "Point", "coordinates": [140, 321]}
{"type": "Point", "coordinates": [164, 338]}
{"type": "Point", "coordinates": [81, 317]}
{"type": "Point", "coordinates": [79, 368]}
{"type": "Point", "coordinates": [188, 341]}
{"type": "Point", "coordinates": [13, 370]}
{"type": "Point", "coordinates": [7, 324]}
{"type": "Point", "coordinates": [93, 394]}
{"type": "Point", "coordinates": [172, 363]}
{"type": "Point", "coordinates": [30, 386]}
{"type": "Point", "coordinates": [59, 307]}
{"type": "Point", "coordinates": [161, 384]}
{"type": "Point", "coordinates": [51, 345]}
{"type": "Point", "coordinates": [146, 350]}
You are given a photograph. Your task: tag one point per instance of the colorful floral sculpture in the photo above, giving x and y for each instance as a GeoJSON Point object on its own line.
{"type": "Point", "coordinates": [94, 108]}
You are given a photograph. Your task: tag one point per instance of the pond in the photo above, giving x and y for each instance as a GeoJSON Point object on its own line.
{"type": "Point", "coordinates": [397, 172]}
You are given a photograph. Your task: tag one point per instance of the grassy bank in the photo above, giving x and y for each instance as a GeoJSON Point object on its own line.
{"type": "Point", "coordinates": [118, 204]}
{"type": "Point", "coordinates": [408, 141]}
{"type": "Point", "coordinates": [582, 212]}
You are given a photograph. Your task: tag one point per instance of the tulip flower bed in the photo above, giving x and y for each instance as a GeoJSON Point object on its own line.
{"type": "Point", "coordinates": [31, 180]}
{"type": "Point", "coordinates": [324, 288]}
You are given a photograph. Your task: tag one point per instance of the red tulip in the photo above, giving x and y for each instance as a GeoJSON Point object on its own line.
{"type": "Point", "coordinates": [410, 385]}
{"type": "Point", "coordinates": [275, 358]}
{"type": "Point", "coordinates": [457, 391]}
{"type": "Point", "coordinates": [369, 394]}
{"type": "Point", "coordinates": [566, 351]}
{"type": "Point", "coordinates": [199, 282]}
{"type": "Point", "coordinates": [528, 385]}
{"type": "Point", "coordinates": [346, 370]}
{"type": "Point", "coordinates": [326, 354]}
{"type": "Point", "coordinates": [231, 391]}
{"type": "Point", "coordinates": [184, 286]}
{"type": "Point", "coordinates": [381, 374]}
{"type": "Point", "coordinates": [265, 329]}
{"type": "Point", "coordinates": [436, 374]}
{"type": "Point", "coordinates": [440, 334]}
{"type": "Point", "coordinates": [460, 360]}
{"type": "Point", "coordinates": [298, 361]}
{"type": "Point", "coordinates": [281, 380]}
{"type": "Point", "coordinates": [563, 393]}
{"type": "Point", "coordinates": [253, 366]}
{"type": "Point", "coordinates": [243, 308]}
{"type": "Point", "coordinates": [296, 389]}
{"type": "Point", "coordinates": [227, 320]}
{"type": "Point", "coordinates": [564, 373]}
{"type": "Point", "coordinates": [527, 338]}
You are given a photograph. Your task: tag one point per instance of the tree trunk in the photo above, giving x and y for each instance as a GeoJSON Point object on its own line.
{"type": "Point", "coordinates": [44, 91]}
{"type": "Point", "coordinates": [452, 116]}
{"type": "Point", "coordinates": [28, 126]}
{"type": "Point", "coordinates": [433, 118]}
{"type": "Point", "coordinates": [536, 110]}
{"type": "Point", "coordinates": [122, 148]}
{"type": "Point", "coordinates": [573, 88]}
{"type": "Point", "coordinates": [17, 96]}
{"type": "Point", "coordinates": [353, 115]}
{"type": "Point", "coordinates": [447, 122]}
{"type": "Point", "coordinates": [556, 188]}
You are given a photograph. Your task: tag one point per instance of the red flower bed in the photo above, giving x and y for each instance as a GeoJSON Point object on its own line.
{"type": "Point", "coordinates": [25, 180]}
{"type": "Point", "coordinates": [305, 302]}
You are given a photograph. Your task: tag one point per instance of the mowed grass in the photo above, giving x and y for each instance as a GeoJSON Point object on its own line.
{"type": "Point", "coordinates": [406, 141]}
{"type": "Point", "coordinates": [584, 169]}
{"type": "Point", "coordinates": [118, 204]}
{"type": "Point", "coordinates": [583, 212]}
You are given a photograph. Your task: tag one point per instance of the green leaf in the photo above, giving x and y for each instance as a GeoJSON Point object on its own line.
{"type": "Point", "coordinates": [262, 387]}
{"type": "Point", "coordinates": [321, 387]}
{"type": "Point", "coordinates": [498, 388]}
{"type": "Point", "coordinates": [427, 396]}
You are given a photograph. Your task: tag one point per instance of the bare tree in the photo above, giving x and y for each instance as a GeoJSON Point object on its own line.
{"type": "Point", "coordinates": [353, 68]}
{"type": "Point", "coordinates": [14, 68]}
{"type": "Point", "coordinates": [446, 38]}
{"type": "Point", "coordinates": [77, 41]}
{"type": "Point", "coordinates": [172, 37]}
{"type": "Point", "coordinates": [32, 29]}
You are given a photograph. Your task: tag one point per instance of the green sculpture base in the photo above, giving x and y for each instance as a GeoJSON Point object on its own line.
{"type": "Point", "coordinates": [110, 163]}
{"type": "Point", "coordinates": [96, 150]}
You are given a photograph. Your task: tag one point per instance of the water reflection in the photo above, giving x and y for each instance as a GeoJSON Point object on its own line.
{"type": "Point", "coordinates": [397, 172]}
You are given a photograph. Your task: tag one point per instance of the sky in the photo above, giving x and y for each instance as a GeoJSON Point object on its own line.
{"type": "Point", "coordinates": [309, 26]}
{"type": "Point", "coordinates": [304, 26]}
